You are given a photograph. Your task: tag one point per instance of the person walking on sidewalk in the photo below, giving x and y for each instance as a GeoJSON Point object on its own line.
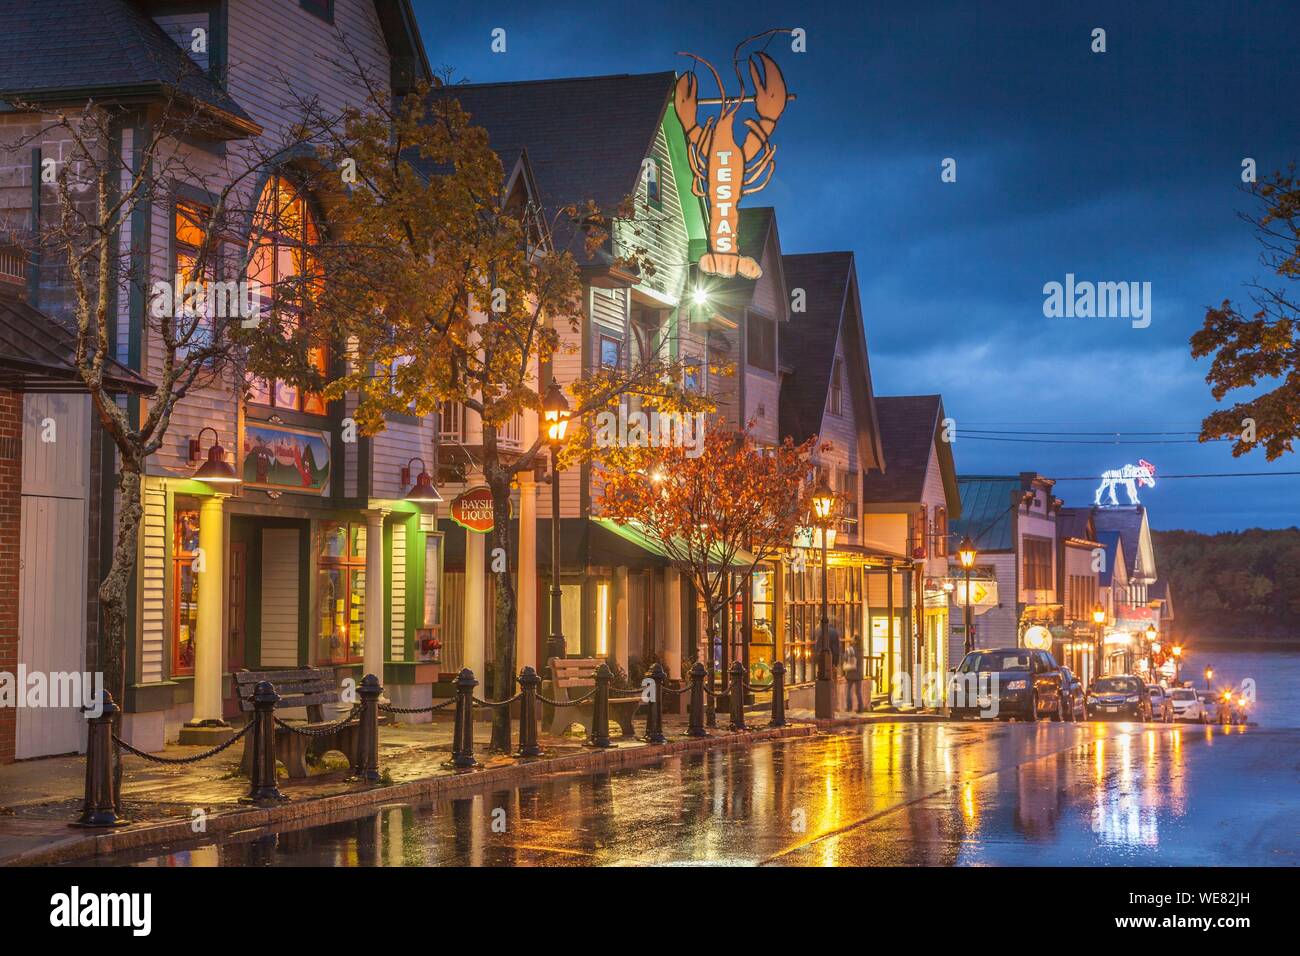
{"type": "Point", "coordinates": [852, 664]}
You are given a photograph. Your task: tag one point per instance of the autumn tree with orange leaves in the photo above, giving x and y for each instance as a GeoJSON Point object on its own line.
{"type": "Point", "coordinates": [725, 508]}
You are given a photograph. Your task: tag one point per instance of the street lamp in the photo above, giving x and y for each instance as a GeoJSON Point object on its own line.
{"type": "Point", "coordinates": [214, 471]}
{"type": "Point", "coordinates": [1098, 620]}
{"type": "Point", "coordinates": [823, 501]}
{"type": "Point", "coordinates": [1209, 676]}
{"type": "Point", "coordinates": [555, 413]}
{"type": "Point", "coordinates": [422, 492]}
{"type": "Point", "coordinates": [1177, 651]}
{"type": "Point", "coordinates": [966, 554]}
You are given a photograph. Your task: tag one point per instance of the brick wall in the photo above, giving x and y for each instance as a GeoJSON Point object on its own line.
{"type": "Point", "coordinates": [11, 449]}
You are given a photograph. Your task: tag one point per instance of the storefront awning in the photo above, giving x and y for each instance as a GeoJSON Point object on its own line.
{"type": "Point", "coordinates": [629, 531]}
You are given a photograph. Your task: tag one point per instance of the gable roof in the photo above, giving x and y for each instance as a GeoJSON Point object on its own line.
{"type": "Point", "coordinates": [1114, 548]}
{"type": "Point", "coordinates": [910, 429]}
{"type": "Point", "coordinates": [755, 228]}
{"type": "Point", "coordinates": [585, 136]}
{"type": "Point", "coordinates": [986, 502]}
{"type": "Point", "coordinates": [1075, 523]}
{"type": "Point", "coordinates": [832, 313]}
{"type": "Point", "coordinates": [1130, 522]}
{"type": "Point", "coordinates": [68, 50]}
{"type": "Point", "coordinates": [38, 354]}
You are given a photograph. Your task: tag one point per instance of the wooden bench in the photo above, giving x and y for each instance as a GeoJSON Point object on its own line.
{"type": "Point", "coordinates": [574, 677]}
{"type": "Point", "coordinates": [309, 687]}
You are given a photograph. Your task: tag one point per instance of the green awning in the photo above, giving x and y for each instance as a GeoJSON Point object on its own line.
{"type": "Point", "coordinates": [630, 531]}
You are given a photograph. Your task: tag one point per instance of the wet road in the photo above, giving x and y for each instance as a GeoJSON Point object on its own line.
{"type": "Point", "coordinates": [902, 793]}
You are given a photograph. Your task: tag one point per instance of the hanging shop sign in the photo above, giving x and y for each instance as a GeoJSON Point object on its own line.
{"type": "Point", "coordinates": [1038, 638]}
{"type": "Point", "coordinates": [982, 593]}
{"type": "Point", "coordinates": [1131, 477]}
{"type": "Point", "coordinates": [472, 509]}
{"type": "Point", "coordinates": [275, 458]}
{"type": "Point", "coordinates": [722, 168]}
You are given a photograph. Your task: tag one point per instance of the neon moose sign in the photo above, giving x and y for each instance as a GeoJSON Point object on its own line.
{"type": "Point", "coordinates": [722, 170]}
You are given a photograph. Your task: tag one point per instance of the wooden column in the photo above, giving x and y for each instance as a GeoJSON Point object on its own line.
{"type": "Point", "coordinates": [526, 599]}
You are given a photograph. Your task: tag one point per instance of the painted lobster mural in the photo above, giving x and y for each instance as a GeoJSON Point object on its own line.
{"type": "Point", "coordinates": [722, 170]}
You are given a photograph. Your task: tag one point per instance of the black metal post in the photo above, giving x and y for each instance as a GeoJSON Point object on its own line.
{"type": "Point", "coordinates": [738, 696]}
{"type": "Point", "coordinates": [462, 745]}
{"type": "Point", "coordinates": [695, 725]}
{"type": "Point", "coordinates": [529, 681]}
{"type": "Point", "coordinates": [970, 638]}
{"type": "Point", "coordinates": [366, 762]}
{"type": "Point", "coordinates": [600, 708]}
{"type": "Point", "coordinates": [99, 809]}
{"type": "Point", "coordinates": [555, 642]}
{"type": "Point", "coordinates": [262, 786]}
{"type": "Point", "coordinates": [778, 694]}
{"type": "Point", "coordinates": [654, 722]}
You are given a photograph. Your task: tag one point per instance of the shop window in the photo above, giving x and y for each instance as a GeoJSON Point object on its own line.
{"type": "Point", "coordinates": [189, 222]}
{"type": "Point", "coordinates": [185, 589]}
{"type": "Point", "coordinates": [341, 594]}
{"type": "Point", "coordinates": [284, 267]}
{"type": "Point", "coordinates": [1037, 563]}
{"type": "Point", "coordinates": [611, 350]}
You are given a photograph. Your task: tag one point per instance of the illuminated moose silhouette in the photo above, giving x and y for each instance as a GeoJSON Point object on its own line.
{"type": "Point", "coordinates": [722, 171]}
{"type": "Point", "coordinates": [1130, 476]}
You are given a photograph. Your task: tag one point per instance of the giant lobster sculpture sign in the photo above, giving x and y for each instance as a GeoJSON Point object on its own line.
{"type": "Point", "coordinates": [723, 170]}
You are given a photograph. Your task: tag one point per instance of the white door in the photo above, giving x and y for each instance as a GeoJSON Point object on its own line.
{"type": "Point", "coordinates": [52, 619]}
{"type": "Point", "coordinates": [279, 597]}
{"type": "Point", "coordinates": [52, 599]}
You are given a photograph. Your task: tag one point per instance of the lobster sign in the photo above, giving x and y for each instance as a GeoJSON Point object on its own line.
{"type": "Point", "coordinates": [723, 170]}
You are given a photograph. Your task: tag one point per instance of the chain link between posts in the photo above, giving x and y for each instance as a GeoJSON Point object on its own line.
{"type": "Point", "coordinates": [390, 709]}
{"type": "Point", "coordinates": [154, 758]}
{"type": "Point", "coordinates": [321, 731]}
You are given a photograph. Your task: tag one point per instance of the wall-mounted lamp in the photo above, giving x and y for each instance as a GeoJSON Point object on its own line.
{"type": "Point", "coordinates": [422, 491]}
{"type": "Point", "coordinates": [214, 471]}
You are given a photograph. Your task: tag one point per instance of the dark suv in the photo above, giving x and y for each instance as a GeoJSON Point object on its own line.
{"type": "Point", "coordinates": [1015, 682]}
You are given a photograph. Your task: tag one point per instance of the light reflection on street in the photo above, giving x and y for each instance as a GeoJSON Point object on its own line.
{"type": "Point", "coordinates": [898, 793]}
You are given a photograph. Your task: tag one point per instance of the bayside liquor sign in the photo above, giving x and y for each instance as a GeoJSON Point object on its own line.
{"type": "Point", "coordinates": [472, 509]}
{"type": "Point", "coordinates": [723, 170]}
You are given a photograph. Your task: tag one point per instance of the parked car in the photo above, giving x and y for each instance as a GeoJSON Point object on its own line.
{"type": "Point", "coordinates": [1161, 708]}
{"type": "Point", "coordinates": [1121, 697]}
{"type": "Point", "coordinates": [1232, 708]}
{"type": "Point", "coordinates": [1187, 705]}
{"type": "Point", "coordinates": [1020, 682]}
{"type": "Point", "coordinates": [1071, 696]}
{"type": "Point", "coordinates": [1209, 705]}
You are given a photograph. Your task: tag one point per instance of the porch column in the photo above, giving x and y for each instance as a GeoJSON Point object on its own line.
{"type": "Point", "coordinates": [474, 623]}
{"type": "Point", "coordinates": [208, 631]}
{"type": "Point", "coordinates": [526, 599]}
{"type": "Point", "coordinates": [890, 663]}
{"type": "Point", "coordinates": [622, 623]}
{"type": "Point", "coordinates": [673, 623]}
{"type": "Point", "coordinates": [376, 633]}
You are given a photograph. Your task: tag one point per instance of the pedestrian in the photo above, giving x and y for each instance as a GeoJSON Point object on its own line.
{"type": "Point", "coordinates": [829, 642]}
{"type": "Point", "coordinates": [852, 666]}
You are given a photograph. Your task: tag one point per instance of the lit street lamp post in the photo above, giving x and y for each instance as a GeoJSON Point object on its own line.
{"type": "Point", "coordinates": [966, 554]}
{"type": "Point", "coordinates": [823, 500]}
{"type": "Point", "coordinates": [1098, 620]}
{"type": "Point", "coordinates": [555, 411]}
{"type": "Point", "coordinates": [1209, 676]}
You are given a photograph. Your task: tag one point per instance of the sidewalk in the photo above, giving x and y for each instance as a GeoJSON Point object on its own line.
{"type": "Point", "coordinates": [38, 798]}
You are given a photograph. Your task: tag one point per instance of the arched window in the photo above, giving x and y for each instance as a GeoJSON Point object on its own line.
{"type": "Point", "coordinates": [284, 233]}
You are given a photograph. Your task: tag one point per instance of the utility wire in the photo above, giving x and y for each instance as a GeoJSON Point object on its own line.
{"type": "Point", "coordinates": [1091, 441]}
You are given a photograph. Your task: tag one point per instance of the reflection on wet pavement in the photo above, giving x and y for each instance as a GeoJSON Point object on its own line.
{"type": "Point", "coordinates": [889, 794]}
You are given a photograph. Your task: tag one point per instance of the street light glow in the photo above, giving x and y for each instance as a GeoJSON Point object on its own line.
{"type": "Point", "coordinates": [966, 552]}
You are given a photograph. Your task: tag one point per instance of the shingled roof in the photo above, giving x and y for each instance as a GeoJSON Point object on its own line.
{"type": "Point", "coordinates": [585, 136]}
{"type": "Point", "coordinates": [1075, 523]}
{"type": "Point", "coordinates": [909, 426]}
{"type": "Point", "coordinates": [38, 354]}
{"type": "Point", "coordinates": [829, 281]}
{"type": "Point", "coordinates": [1127, 521]}
{"type": "Point", "coordinates": [72, 50]}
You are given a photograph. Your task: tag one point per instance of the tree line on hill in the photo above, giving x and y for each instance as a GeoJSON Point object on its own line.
{"type": "Point", "coordinates": [1234, 585]}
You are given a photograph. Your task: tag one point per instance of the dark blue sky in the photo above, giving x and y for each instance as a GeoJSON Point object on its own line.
{"type": "Point", "coordinates": [1122, 166]}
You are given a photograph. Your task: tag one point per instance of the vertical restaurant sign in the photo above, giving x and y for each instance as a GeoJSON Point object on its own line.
{"type": "Point", "coordinates": [723, 169]}
{"type": "Point", "coordinates": [276, 458]}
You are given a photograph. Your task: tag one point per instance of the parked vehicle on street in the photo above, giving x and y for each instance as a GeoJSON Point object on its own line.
{"type": "Point", "coordinates": [1209, 705]}
{"type": "Point", "coordinates": [1023, 683]}
{"type": "Point", "coordinates": [1187, 705]}
{"type": "Point", "coordinates": [1162, 710]}
{"type": "Point", "coordinates": [1119, 697]}
{"type": "Point", "coordinates": [1071, 696]}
